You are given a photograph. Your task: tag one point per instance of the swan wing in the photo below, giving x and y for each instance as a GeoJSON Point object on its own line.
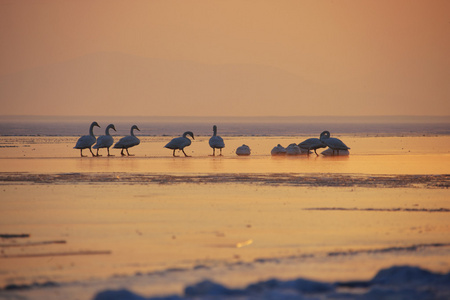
{"type": "Point", "coordinates": [312, 143]}
{"type": "Point", "coordinates": [127, 142]}
{"type": "Point", "coordinates": [85, 141]}
{"type": "Point", "coordinates": [178, 143]}
{"type": "Point", "coordinates": [335, 144]}
{"type": "Point", "coordinates": [104, 141]}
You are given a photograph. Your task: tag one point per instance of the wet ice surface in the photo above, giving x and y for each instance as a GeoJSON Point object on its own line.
{"type": "Point", "coordinates": [274, 179]}
{"type": "Point", "coordinates": [157, 225]}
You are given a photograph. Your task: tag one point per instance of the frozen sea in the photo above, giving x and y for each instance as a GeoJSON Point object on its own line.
{"type": "Point", "coordinates": [371, 225]}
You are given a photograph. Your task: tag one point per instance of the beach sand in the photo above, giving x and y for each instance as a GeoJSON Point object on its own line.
{"type": "Point", "coordinates": [153, 223]}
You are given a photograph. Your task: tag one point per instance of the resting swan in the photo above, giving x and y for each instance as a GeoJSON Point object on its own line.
{"type": "Point", "coordinates": [278, 150]}
{"type": "Point", "coordinates": [243, 150]}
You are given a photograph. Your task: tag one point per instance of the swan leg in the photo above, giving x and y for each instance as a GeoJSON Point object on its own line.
{"type": "Point", "coordinates": [129, 153]}
{"type": "Point", "coordinates": [121, 153]}
{"type": "Point", "coordinates": [316, 152]}
{"type": "Point", "coordinates": [97, 153]}
{"type": "Point", "coordinates": [184, 153]}
{"type": "Point", "coordinates": [108, 152]}
{"type": "Point", "coordinates": [174, 153]}
{"type": "Point", "coordinates": [81, 152]}
{"type": "Point", "coordinates": [220, 152]}
{"type": "Point", "coordinates": [214, 152]}
{"type": "Point", "coordinates": [91, 152]}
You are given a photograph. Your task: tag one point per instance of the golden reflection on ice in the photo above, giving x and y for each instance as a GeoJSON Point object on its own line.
{"type": "Point", "coordinates": [245, 243]}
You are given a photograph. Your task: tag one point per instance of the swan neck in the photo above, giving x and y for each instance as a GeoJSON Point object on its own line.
{"type": "Point", "coordinates": [91, 130]}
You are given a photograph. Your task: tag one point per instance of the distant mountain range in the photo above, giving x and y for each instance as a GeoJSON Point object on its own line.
{"type": "Point", "coordinates": [116, 83]}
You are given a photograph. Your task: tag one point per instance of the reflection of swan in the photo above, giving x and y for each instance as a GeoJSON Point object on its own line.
{"type": "Point", "coordinates": [180, 142]}
{"type": "Point", "coordinates": [243, 150]}
{"type": "Point", "coordinates": [314, 143]}
{"type": "Point", "coordinates": [216, 141]}
{"type": "Point", "coordinates": [128, 141]}
{"type": "Point", "coordinates": [333, 143]}
{"type": "Point", "coordinates": [278, 150]}
{"type": "Point", "coordinates": [105, 141]}
{"type": "Point", "coordinates": [293, 149]}
{"type": "Point", "coordinates": [86, 141]}
{"type": "Point", "coordinates": [329, 152]}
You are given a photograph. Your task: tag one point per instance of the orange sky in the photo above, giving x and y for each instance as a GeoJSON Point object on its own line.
{"type": "Point", "coordinates": [370, 57]}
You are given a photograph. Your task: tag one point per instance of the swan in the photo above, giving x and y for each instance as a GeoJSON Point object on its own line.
{"type": "Point", "coordinates": [329, 152]}
{"type": "Point", "coordinates": [293, 149]}
{"type": "Point", "coordinates": [333, 143]}
{"type": "Point", "coordinates": [278, 150]}
{"type": "Point", "coordinates": [314, 143]}
{"type": "Point", "coordinates": [105, 141]}
{"type": "Point", "coordinates": [86, 141]}
{"type": "Point", "coordinates": [128, 141]}
{"type": "Point", "coordinates": [243, 150]}
{"type": "Point", "coordinates": [216, 142]}
{"type": "Point", "coordinates": [180, 142]}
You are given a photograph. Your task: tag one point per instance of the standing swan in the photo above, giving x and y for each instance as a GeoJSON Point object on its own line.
{"type": "Point", "coordinates": [105, 141]}
{"type": "Point", "coordinates": [128, 141]}
{"type": "Point", "coordinates": [314, 143]}
{"type": "Point", "coordinates": [333, 143]}
{"type": "Point", "coordinates": [86, 141]}
{"type": "Point", "coordinates": [180, 142]}
{"type": "Point", "coordinates": [216, 142]}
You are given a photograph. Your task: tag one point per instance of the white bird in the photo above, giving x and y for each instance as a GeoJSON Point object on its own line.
{"type": "Point", "coordinates": [216, 142]}
{"type": "Point", "coordinates": [333, 143]}
{"type": "Point", "coordinates": [329, 152]}
{"type": "Point", "coordinates": [278, 150]}
{"type": "Point", "coordinates": [128, 141]}
{"type": "Point", "coordinates": [105, 141]}
{"type": "Point", "coordinates": [314, 143]}
{"type": "Point", "coordinates": [293, 149]}
{"type": "Point", "coordinates": [180, 142]}
{"type": "Point", "coordinates": [243, 150]}
{"type": "Point", "coordinates": [86, 141]}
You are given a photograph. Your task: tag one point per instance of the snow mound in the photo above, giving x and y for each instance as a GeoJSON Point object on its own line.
{"type": "Point", "coordinates": [397, 282]}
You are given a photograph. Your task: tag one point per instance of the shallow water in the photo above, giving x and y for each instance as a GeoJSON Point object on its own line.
{"type": "Point", "coordinates": [236, 220]}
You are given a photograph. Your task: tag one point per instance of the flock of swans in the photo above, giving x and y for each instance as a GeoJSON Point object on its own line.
{"type": "Point", "coordinates": [336, 146]}
{"type": "Point", "coordinates": [106, 141]}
